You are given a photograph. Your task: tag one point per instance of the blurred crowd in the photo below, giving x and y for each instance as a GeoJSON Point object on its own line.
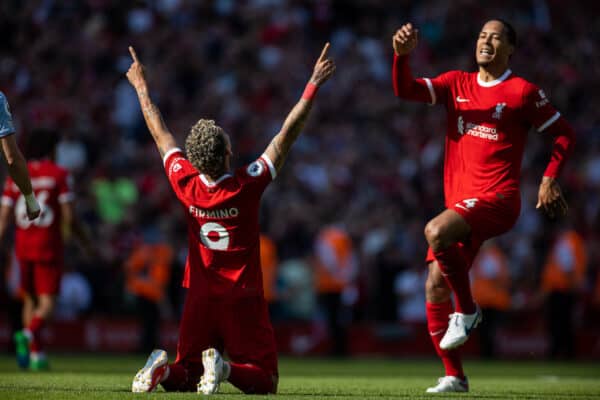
{"type": "Point", "coordinates": [361, 181]}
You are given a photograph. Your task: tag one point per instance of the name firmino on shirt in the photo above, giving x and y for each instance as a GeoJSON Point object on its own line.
{"type": "Point", "coordinates": [217, 214]}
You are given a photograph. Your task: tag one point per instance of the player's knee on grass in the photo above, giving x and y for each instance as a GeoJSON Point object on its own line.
{"type": "Point", "coordinates": [183, 377]}
{"type": "Point", "coordinates": [436, 288]}
{"type": "Point", "coordinates": [265, 389]}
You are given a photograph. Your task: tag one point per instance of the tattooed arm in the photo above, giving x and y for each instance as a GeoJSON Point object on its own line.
{"type": "Point", "coordinates": [282, 142]}
{"type": "Point", "coordinates": [162, 137]}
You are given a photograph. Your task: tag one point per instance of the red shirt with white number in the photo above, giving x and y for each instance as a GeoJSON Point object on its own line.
{"type": "Point", "coordinates": [223, 230]}
{"type": "Point", "coordinates": [40, 240]}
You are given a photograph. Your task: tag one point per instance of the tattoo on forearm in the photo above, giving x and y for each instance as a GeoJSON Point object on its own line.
{"type": "Point", "coordinates": [292, 127]}
{"type": "Point", "coordinates": [150, 110]}
{"type": "Point", "coordinates": [155, 122]}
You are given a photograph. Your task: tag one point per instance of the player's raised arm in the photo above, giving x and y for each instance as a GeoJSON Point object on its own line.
{"type": "Point", "coordinates": [136, 76]}
{"type": "Point", "coordinates": [405, 86]}
{"type": "Point", "coordinates": [282, 142]}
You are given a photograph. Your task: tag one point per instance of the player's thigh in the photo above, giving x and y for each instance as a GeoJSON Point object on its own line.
{"type": "Point", "coordinates": [489, 215]}
{"type": "Point", "coordinates": [196, 330]}
{"type": "Point", "coordinates": [248, 334]}
{"type": "Point", "coordinates": [46, 278]}
{"type": "Point", "coordinates": [26, 277]}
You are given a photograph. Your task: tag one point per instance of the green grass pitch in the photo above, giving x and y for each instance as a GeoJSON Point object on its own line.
{"type": "Point", "coordinates": [91, 377]}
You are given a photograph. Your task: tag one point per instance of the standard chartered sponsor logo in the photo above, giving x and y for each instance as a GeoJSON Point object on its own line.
{"type": "Point", "coordinates": [476, 130]}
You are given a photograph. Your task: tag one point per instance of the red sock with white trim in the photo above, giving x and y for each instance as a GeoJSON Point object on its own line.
{"type": "Point", "coordinates": [437, 323]}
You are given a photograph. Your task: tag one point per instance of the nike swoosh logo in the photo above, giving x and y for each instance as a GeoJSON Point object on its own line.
{"type": "Point", "coordinates": [437, 332]}
{"type": "Point", "coordinates": [461, 100]}
{"type": "Point", "coordinates": [473, 325]}
{"type": "Point", "coordinates": [458, 205]}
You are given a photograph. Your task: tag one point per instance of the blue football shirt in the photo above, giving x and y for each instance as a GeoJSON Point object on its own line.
{"type": "Point", "coordinates": [6, 123]}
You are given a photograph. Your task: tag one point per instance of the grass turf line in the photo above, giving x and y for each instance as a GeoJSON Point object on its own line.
{"type": "Point", "coordinates": [92, 377]}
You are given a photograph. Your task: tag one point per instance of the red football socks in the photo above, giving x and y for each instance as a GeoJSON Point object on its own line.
{"type": "Point", "coordinates": [35, 327]}
{"type": "Point", "coordinates": [456, 273]}
{"type": "Point", "coordinates": [437, 323]}
{"type": "Point", "coordinates": [251, 379]}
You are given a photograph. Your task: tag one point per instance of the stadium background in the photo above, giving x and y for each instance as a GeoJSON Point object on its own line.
{"type": "Point", "coordinates": [366, 162]}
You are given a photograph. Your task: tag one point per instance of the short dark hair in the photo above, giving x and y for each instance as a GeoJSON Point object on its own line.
{"type": "Point", "coordinates": [511, 34]}
{"type": "Point", "coordinates": [206, 148]}
{"type": "Point", "coordinates": [41, 143]}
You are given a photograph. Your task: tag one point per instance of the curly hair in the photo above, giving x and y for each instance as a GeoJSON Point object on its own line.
{"type": "Point", "coordinates": [206, 147]}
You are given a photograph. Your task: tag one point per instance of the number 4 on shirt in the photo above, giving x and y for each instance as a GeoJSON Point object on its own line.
{"type": "Point", "coordinates": [467, 204]}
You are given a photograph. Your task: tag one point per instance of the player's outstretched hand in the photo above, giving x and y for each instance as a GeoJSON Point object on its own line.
{"type": "Point", "coordinates": [136, 74]}
{"type": "Point", "coordinates": [324, 68]}
{"type": "Point", "coordinates": [405, 39]}
{"type": "Point", "coordinates": [551, 199]}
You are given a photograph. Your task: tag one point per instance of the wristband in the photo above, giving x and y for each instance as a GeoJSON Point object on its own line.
{"type": "Point", "coordinates": [310, 91]}
{"type": "Point", "coordinates": [31, 202]}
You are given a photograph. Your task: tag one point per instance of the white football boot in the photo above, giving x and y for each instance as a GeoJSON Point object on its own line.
{"type": "Point", "coordinates": [152, 373]}
{"type": "Point", "coordinates": [450, 384]}
{"type": "Point", "coordinates": [214, 372]}
{"type": "Point", "coordinates": [459, 329]}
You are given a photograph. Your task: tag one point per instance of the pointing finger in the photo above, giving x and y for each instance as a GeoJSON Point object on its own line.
{"type": "Point", "coordinates": [133, 54]}
{"type": "Point", "coordinates": [324, 52]}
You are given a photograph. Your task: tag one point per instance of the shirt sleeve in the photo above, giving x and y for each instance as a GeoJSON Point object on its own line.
{"type": "Point", "coordinates": [6, 123]}
{"type": "Point", "coordinates": [260, 173]}
{"type": "Point", "coordinates": [405, 86]}
{"type": "Point", "coordinates": [537, 108]}
{"type": "Point", "coordinates": [433, 91]}
{"type": "Point", "coordinates": [181, 174]}
{"type": "Point", "coordinates": [440, 87]}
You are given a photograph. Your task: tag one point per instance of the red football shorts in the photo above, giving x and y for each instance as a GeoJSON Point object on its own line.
{"type": "Point", "coordinates": [240, 327]}
{"type": "Point", "coordinates": [488, 216]}
{"type": "Point", "coordinates": [40, 277]}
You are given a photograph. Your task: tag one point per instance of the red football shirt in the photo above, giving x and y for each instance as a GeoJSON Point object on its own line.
{"type": "Point", "coordinates": [487, 130]}
{"type": "Point", "coordinates": [40, 239]}
{"type": "Point", "coordinates": [223, 230]}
